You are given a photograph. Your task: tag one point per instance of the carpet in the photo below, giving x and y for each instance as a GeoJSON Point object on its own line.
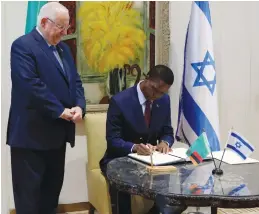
{"type": "Point", "coordinates": [239, 211]}
{"type": "Point", "coordinates": [207, 211]}
{"type": "Point", "coordinates": [78, 212]}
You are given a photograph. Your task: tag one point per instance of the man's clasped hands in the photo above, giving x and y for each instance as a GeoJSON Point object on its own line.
{"type": "Point", "coordinates": [74, 114]}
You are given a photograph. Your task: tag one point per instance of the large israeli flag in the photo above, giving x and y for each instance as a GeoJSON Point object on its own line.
{"type": "Point", "coordinates": [198, 106]}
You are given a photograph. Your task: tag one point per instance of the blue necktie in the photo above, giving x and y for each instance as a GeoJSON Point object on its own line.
{"type": "Point", "coordinates": [58, 57]}
{"type": "Point", "coordinates": [55, 52]}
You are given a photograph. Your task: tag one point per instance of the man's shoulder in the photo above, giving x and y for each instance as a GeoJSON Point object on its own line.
{"type": "Point", "coordinates": [164, 99]}
{"type": "Point", "coordinates": [23, 40]}
{"type": "Point", "coordinates": [125, 94]}
{"type": "Point", "coordinates": [123, 100]}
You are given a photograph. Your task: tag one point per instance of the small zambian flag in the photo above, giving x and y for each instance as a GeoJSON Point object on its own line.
{"type": "Point", "coordinates": [196, 158]}
{"type": "Point", "coordinates": [199, 149]}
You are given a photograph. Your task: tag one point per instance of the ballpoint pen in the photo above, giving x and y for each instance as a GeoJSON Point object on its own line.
{"type": "Point", "coordinates": [151, 157]}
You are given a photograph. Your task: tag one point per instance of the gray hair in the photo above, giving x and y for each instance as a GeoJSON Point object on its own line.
{"type": "Point", "coordinates": [50, 10]}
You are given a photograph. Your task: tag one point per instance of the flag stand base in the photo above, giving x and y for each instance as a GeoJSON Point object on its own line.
{"type": "Point", "coordinates": [217, 171]}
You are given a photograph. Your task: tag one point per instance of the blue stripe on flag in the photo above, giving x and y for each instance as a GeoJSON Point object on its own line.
{"type": "Point", "coordinates": [205, 8]}
{"type": "Point", "coordinates": [181, 94]}
{"type": "Point", "coordinates": [198, 120]}
{"type": "Point", "coordinates": [237, 151]}
{"type": "Point", "coordinates": [185, 138]}
{"type": "Point", "coordinates": [245, 143]}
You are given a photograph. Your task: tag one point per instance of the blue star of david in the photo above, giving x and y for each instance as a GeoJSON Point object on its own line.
{"type": "Point", "coordinates": [238, 145]}
{"type": "Point", "coordinates": [199, 68]}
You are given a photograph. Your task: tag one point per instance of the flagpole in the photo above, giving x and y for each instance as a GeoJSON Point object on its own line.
{"type": "Point", "coordinates": [211, 153]}
{"type": "Point", "coordinates": [222, 157]}
{"type": "Point", "coordinates": [225, 147]}
{"type": "Point", "coordinates": [216, 170]}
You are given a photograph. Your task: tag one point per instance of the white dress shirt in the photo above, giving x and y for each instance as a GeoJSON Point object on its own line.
{"type": "Point", "coordinates": [141, 98]}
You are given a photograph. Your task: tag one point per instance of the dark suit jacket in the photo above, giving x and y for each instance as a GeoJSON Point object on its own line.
{"type": "Point", "coordinates": [126, 124]}
{"type": "Point", "coordinates": [40, 92]}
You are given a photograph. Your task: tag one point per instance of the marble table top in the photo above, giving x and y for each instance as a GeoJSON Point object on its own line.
{"type": "Point", "coordinates": [194, 186]}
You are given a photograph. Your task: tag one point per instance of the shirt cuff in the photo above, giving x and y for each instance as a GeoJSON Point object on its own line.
{"type": "Point", "coordinates": [165, 142]}
{"type": "Point", "coordinates": [132, 148]}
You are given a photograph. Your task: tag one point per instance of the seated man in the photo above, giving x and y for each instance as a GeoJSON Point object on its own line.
{"type": "Point", "coordinates": [140, 116]}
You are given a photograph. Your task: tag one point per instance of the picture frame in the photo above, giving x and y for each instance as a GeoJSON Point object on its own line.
{"type": "Point", "coordinates": [156, 51]}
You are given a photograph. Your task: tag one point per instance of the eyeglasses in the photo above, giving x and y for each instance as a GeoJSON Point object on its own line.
{"type": "Point", "coordinates": [61, 28]}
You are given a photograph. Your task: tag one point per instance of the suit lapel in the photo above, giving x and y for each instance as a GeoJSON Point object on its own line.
{"type": "Point", "coordinates": [65, 63]}
{"type": "Point", "coordinates": [44, 46]}
{"type": "Point", "coordinates": [155, 114]}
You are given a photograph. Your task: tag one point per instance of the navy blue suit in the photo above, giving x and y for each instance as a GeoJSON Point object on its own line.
{"type": "Point", "coordinates": [126, 125]}
{"type": "Point", "coordinates": [41, 90]}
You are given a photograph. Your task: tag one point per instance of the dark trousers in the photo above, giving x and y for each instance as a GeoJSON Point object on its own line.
{"type": "Point", "coordinates": [121, 204]}
{"type": "Point", "coordinates": [37, 179]}
{"type": "Point", "coordinates": [120, 201]}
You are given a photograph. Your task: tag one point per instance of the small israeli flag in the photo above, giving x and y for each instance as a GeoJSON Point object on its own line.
{"type": "Point", "coordinates": [198, 105]}
{"type": "Point", "coordinates": [239, 145]}
{"type": "Point", "coordinates": [241, 190]}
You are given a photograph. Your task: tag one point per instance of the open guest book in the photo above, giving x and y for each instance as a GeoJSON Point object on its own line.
{"type": "Point", "coordinates": [178, 155]}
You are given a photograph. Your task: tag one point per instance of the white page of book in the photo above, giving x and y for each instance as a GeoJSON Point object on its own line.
{"type": "Point", "coordinates": [158, 158]}
{"type": "Point", "coordinates": [179, 152]}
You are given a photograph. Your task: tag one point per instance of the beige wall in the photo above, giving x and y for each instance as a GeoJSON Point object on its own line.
{"type": "Point", "coordinates": [12, 26]}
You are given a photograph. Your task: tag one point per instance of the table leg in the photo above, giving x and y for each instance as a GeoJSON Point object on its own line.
{"type": "Point", "coordinates": [92, 209]}
{"type": "Point", "coordinates": [120, 201]}
{"type": "Point", "coordinates": [114, 199]}
{"type": "Point", "coordinates": [214, 210]}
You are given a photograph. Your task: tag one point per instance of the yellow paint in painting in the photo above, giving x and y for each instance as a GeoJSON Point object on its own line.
{"type": "Point", "coordinates": [112, 34]}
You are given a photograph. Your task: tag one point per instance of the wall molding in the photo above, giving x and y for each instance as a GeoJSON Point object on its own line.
{"type": "Point", "coordinates": [97, 108]}
{"type": "Point", "coordinates": [163, 33]}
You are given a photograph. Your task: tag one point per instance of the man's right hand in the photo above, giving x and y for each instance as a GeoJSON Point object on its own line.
{"type": "Point", "coordinates": [142, 149]}
{"type": "Point", "coordinates": [67, 114]}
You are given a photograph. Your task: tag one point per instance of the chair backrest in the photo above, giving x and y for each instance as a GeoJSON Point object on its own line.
{"type": "Point", "coordinates": [95, 124]}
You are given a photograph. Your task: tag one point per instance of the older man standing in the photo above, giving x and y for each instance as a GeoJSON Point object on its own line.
{"type": "Point", "coordinates": [47, 100]}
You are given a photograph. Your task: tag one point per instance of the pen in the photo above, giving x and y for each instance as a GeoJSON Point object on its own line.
{"type": "Point", "coordinates": [151, 157]}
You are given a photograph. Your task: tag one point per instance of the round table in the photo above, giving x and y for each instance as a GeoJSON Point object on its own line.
{"type": "Point", "coordinates": [194, 186]}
